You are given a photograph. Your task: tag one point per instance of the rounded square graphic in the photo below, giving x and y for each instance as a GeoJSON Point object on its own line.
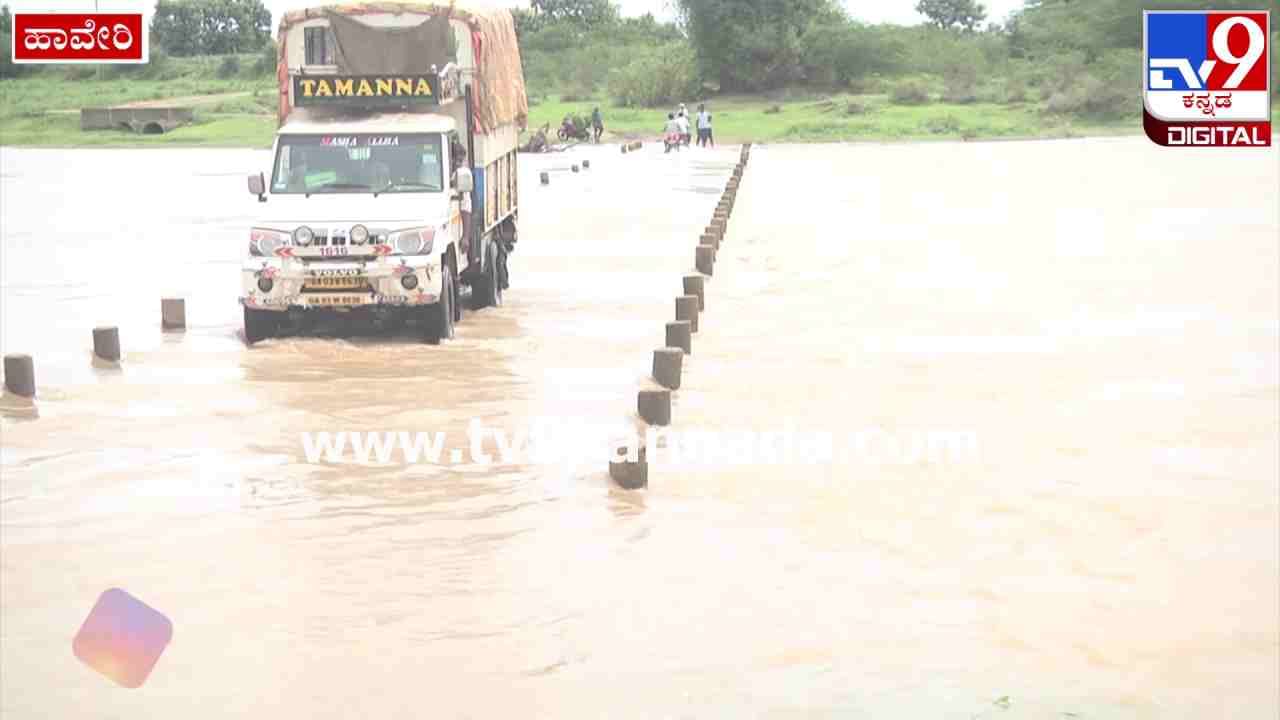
{"type": "Point", "coordinates": [122, 638]}
{"type": "Point", "coordinates": [1206, 78]}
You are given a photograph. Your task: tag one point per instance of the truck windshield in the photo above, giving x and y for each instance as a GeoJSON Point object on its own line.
{"type": "Point", "coordinates": [312, 164]}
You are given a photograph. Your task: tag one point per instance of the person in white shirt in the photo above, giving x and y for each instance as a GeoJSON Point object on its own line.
{"type": "Point", "coordinates": [683, 123]}
{"type": "Point", "coordinates": [704, 127]}
{"type": "Point", "coordinates": [671, 132]}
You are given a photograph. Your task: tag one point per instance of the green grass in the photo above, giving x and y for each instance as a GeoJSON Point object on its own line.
{"type": "Point", "coordinates": [29, 111]}
{"type": "Point", "coordinates": [64, 131]}
{"type": "Point", "coordinates": [812, 117]}
{"type": "Point", "coordinates": [32, 108]}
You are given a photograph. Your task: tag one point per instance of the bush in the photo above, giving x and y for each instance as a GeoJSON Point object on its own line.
{"type": "Point", "coordinates": [1090, 96]}
{"type": "Point", "coordinates": [856, 107]}
{"type": "Point", "coordinates": [576, 93]}
{"type": "Point", "coordinates": [773, 110]}
{"type": "Point", "coordinates": [909, 92]}
{"type": "Point", "coordinates": [945, 125]}
{"type": "Point", "coordinates": [229, 68]}
{"type": "Point", "coordinates": [266, 63]}
{"type": "Point", "coordinates": [960, 85]}
{"type": "Point", "coordinates": [81, 72]}
{"type": "Point", "coordinates": [659, 77]}
{"type": "Point", "coordinates": [7, 67]}
{"type": "Point", "coordinates": [1015, 90]}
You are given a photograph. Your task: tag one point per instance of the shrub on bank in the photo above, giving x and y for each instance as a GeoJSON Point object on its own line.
{"type": "Point", "coordinates": [656, 78]}
{"type": "Point", "coordinates": [229, 67]}
{"type": "Point", "coordinates": [909, 92]}
{"type": "Point", "coordinates": [267, 59]}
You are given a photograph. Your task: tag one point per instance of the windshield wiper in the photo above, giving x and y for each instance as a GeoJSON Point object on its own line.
{"type": "Point", "coordinates": [336, 186]}
{"type": "Point", "coordinates": [405, 186]}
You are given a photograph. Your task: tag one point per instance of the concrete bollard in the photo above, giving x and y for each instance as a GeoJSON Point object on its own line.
{"type": "Point", "coordinates": [106, 343]}
{"type": "Point", "coordinates": [629, 474]}
{"type": "Point", "coordinates": [654, 407]}
{"type": "Point", "coordinates": [20, 375]}
{"type": "Point", "coordinates": [697, 285]}
{"type": "Point", "coordinates": [668, 365]}
{"type": "Point", "coordinates": [687, 309]}
{"type": "Point", "coordinates": [680, 336]}
{"type": "Point", "coordinates": [575, 167]}
{"type": "Point", "coordinates": [720, 226]}
{"type": "Point", "coordinates": [545, 178]}
{"type": "Point", "coordinates": [710, 239]}
{"type": "Point", "coordinates": [705, 259]}
{"type": "Point", "coordinates": [173, 314]}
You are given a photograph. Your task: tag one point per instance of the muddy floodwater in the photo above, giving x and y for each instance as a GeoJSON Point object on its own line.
{"type": "Point", "coordinates": [1102, 316]}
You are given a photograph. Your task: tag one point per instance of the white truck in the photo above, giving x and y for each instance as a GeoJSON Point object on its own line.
{"type": "Point", "coordinates": [394, 181]}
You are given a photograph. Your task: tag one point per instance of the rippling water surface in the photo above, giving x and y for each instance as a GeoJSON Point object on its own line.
{"type": "Point", "coordinates": [1103, 320]}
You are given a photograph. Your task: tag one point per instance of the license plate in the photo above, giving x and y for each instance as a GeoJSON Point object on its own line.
{"type": "Point", "coordinates": [336, 283]}
{"type": "Point", "coordinates": [331, 300]}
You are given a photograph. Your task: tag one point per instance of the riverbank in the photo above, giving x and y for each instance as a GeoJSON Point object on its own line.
{"type": "Point", "coordinates": [236, 111]}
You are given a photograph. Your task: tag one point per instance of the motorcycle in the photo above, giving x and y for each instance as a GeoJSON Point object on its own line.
{"type": "Point", "coordinates": [570, 130]}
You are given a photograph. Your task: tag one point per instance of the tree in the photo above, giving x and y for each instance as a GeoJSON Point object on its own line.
{"type": "Point", "coordinates": [752, 44]}
{"type": "Point", "coordinates": [582, 14]}
{"type": "Point", "coordinates": [949, 14]}
{"type": "Point", "coordinates": [210, 27]}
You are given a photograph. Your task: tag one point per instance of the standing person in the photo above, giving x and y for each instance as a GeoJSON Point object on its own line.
{"type": "Point", "coordinates": [683, 122]}
{"type": "Point", "coordinates": [597, 124]}
{"type": "Point", "coordinates": [704, 127]}
{"type": "Point", "coordinates": [671, 137]}
{"type": "Point", "coordinates": [459, 157]}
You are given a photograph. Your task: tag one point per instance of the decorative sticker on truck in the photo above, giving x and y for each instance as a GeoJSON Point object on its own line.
{"type": "Point", "coordinates": [363, 89]}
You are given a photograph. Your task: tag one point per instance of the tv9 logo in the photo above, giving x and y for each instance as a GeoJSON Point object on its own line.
{"type": "Point", "coordinates": [1207, 78]}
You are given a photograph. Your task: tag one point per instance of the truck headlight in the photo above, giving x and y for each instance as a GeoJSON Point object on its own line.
{"type": "Point", "coordinates": [414, 241]}
{"type": "Point", "coordinates": [263, 242]}
{"type": "Point", "coordinates": [359, 235]}
{"type": "Point", "coordinates": [303, 236]}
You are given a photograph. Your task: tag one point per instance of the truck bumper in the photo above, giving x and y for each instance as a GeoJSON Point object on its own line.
{"type": "Point", "coordinates": [282, 284]}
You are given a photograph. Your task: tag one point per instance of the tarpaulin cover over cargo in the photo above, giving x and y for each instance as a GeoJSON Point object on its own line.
{"type": "Point", "coordinates": [498, 88]}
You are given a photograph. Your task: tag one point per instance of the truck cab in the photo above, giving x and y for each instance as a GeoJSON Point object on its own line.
{"type": "Point", "coordinates": [374, 206]}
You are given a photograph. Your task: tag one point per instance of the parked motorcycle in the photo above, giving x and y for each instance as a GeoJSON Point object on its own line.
{"type": "Point", "coordinates": [570, 130]}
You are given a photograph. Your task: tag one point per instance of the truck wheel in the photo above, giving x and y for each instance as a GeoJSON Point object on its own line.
{"type": "Point", "coordinates": [259, 325]}
{"type": "Point", "coordinates": [488, 292]}
{"type": "Point", "coordinates": [440, 317]}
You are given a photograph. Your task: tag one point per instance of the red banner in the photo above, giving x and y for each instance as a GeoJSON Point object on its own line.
{"type": "Point", "coordinates": [79, 38]}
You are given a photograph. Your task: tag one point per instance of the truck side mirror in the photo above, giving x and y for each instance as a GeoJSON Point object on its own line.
{"type": "Point", "coordinates": [258, 186]}
{"type": "Point", "coordinates": [463, 181]}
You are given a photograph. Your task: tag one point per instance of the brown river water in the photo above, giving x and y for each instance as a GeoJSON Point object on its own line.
{"type": "Point", "coordinates": [1103, 316]}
